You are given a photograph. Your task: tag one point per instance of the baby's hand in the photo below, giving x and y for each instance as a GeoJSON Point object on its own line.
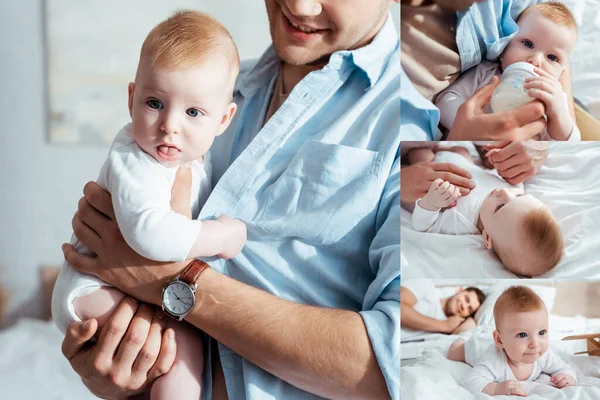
{"type": "Point", "coordinates": [234, 238]}
{"type": "Point", "coordinates": [562, 380]}
{"type": "Point", "coordinates": [510, 388]}
{"type": "Point", "coordinates": [441, 194]}
{"type": "Point", "coordinates": [548, 89]}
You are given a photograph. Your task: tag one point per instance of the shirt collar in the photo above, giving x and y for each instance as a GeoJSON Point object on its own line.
{"type": "Point", "coordinates": [372, 59]}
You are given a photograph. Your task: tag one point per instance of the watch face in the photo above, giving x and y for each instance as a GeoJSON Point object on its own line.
{"type": "Point", "coordinates": [178, 298]}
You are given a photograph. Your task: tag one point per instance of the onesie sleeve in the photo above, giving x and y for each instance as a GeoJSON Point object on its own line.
{"type": "Point", "coordinates": [484, 373]}
{"type": "Point", "coordinates": [425, 220]}
{"type": "Point", "coordinates": [141, 196]}
{"type": "Point", "coordinates": [552, 365]}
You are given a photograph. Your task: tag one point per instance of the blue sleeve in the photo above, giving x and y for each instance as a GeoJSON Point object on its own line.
{"type": "Point", "coordinates": [484, 29]}
{"type": "Point", "coordinates": [419, 117]}
{"type": "Point", "coordinates": [381, 307]}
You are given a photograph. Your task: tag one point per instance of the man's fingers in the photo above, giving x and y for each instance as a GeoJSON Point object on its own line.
{"type": "Point", "coordinates": [166, 358]}
{"type": "Point", "coordinates": [99, 198]}
{"type": "Point", "coordinates": [522, 177]}
{"type": "Point", "coordinates": [181, 191]}
{"type": "Point", "coordinates": [93, 218]}
{"type": "Point", "coordinates": [135, 338]}
{"type": "Point", "coordinates": [78, 333]}
{"type": "Point", "coordinates": [81, 262]}
{"type": "Point", "coordinates": [149, 353]}
{"type": "Point", "coordinates": [453, 168]}
{"type": "Point", "coordinates": [514, 171]}
{"type": "Point", "coordinates": [112, 334]}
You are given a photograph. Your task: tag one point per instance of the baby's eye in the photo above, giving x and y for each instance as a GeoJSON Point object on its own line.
{"type": "Point", "coordinates": [528, 43]}
{"type": "Point", "coordinates": [552, 58]}
{"type": "Point", "coordinates": [499, 207]}
{"type": "Point", "coordinates": [542, 332]}
{"type": "Point", "coordinates": [522, 335]}
{"type": "Point", "coordinates": [193, 112]}
{"type": "Point", "coordinates": [154, 104]}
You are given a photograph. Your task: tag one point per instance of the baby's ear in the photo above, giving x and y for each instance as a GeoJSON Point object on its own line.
{"type": "Point", "coordinates": [226, 118]}
{"type": "Point", "coordinates": [487, 240]}
{"type": "Point", "coordinates": [497, 339]}
{"type": "Point", "coordinates": [130, 90]}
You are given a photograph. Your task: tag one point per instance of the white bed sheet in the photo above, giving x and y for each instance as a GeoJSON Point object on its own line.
{"type": "Point", "coordinates": [434, 377]}
{"type": "Point", "coordinates": [32, 365]}
{"type": "Point", "coordinates": [568, 183]}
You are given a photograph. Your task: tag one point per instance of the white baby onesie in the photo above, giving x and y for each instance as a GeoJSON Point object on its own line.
{"type": "Point", "coordinates": [465, 87]}
{"type": "Point", "coordinates": [461, 219]}
{"type": "Point", "coordinates": [141, 193]}
{"type": "Point", "coordinates": [493, 368]}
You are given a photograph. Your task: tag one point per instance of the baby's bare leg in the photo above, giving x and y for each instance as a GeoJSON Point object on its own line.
{"type": "Point", "coordinates": [99, 304]}
{"type": "Point", "coordinates": [421, 154]}
{"type": "Point", "coordinates": [184, 379]}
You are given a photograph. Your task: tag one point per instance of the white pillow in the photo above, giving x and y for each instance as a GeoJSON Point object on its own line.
{"type": "Point", "coordinates": [485, 315]}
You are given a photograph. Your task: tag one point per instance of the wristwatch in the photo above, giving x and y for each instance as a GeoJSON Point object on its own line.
{"type": "Point", "coordinates": [179, 295]}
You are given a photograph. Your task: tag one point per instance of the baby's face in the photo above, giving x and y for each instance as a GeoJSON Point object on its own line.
{"type": "Point", "coordinates": [502, 214]}
{"type": "Point", "coordinates": [176, 113]}
{"type": "Point", "coordinates": [541, 42]}
{"type": "Point", "coordinates": [523, 335]}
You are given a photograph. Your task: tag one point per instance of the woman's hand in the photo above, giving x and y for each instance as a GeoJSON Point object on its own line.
{"type": "Point", "coordinates": [416, 179]}
{"type": "Point", "coordinates": [131, 353]}
{"type": "Point", "coordinates": [517, 161]}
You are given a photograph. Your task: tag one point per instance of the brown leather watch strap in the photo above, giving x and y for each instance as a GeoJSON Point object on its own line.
{"type": "Point", "coordinates": [192, 272]}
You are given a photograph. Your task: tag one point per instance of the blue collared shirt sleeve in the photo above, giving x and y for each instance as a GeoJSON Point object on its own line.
{"type": "Point", "coordinates": [484, 30]}
{"type": "Point", "coordinates": [419, 117]}
{"type": "Point", "coordinates": [381, 307]}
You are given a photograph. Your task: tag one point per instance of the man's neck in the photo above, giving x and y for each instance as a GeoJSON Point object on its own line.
{"type": "Point", "coordinates": [292, 74]}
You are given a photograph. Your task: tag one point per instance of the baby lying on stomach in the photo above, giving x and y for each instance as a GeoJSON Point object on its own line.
{"type": "Point", "coordinates": [520, 351]}
{"type": "Point", "coordinates": [518, 227]}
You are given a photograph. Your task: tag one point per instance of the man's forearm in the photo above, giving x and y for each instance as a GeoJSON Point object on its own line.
{"type": "Point", "coordinates": [413, 319]}
{"type": "Point", "coordinates": [323, 351]}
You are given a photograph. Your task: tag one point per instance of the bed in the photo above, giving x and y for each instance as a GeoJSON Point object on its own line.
{"type": "Point", "coordinates": [32, 365]}
{"type": "Point", "coordinates": [427, 374]}
{"type": "Point", "coordinates": [567, 184]}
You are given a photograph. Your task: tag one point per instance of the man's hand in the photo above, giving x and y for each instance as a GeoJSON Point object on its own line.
{"type": "Point", "coordinates": [441, 194]}
{"type": "Point", "coordinates": [517, 161]}
{"type": "Point", "coordinates": [562, 380]}
{"type": "Point", "coordinates": [466, 325]}
{"type": "Point", "coordinates": [452, 322]}
{"type": "Point", "coordinates": [416, 179]}
{"type": "Point", "coordinates": [115, 262]}
{"type": "Point", "coordinates": [510, 388]}
{"type": "Point", "coordinates": [131, 352]}
{"type": "Point", "coordinates": [471, 123]}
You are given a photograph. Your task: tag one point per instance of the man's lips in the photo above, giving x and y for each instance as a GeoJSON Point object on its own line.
{"type": "Point", "coordinates": [301, 31]}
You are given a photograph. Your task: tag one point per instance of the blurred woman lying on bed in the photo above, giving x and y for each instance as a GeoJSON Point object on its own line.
{"type": "Point", "coordinates": [423, 311]}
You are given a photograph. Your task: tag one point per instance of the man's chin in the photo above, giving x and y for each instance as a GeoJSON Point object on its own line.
{"type": "Point", "coordinates": [300, 57]}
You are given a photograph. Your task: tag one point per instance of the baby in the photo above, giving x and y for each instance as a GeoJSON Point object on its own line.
{"type": "Point", "coordinates": [546, 37]}
{"type": "Point", "coordinates": [518, 227]}
{"type": "Point", "coordinates": [521, 350]}
{"type": "Point", "coordinates": [180, 100]}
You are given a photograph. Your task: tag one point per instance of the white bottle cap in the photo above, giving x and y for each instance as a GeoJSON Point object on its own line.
{"type": "Point", "coordinates": [520, 66]}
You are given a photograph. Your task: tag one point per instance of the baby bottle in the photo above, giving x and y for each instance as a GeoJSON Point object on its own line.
{"type": "Point", "coordinates": [509, 94]}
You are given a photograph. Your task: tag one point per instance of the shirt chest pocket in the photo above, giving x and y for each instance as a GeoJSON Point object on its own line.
{"type": "Point", "coordinates": [324, 194]}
